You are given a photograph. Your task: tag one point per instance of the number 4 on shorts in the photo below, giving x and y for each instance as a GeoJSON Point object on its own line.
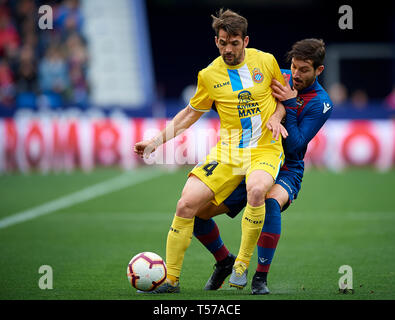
{"type": "Point", "coordinates": [209, 168]}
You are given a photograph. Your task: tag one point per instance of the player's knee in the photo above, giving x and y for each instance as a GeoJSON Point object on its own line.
{"type": "Point", "coordinates": [256, 194]}
{"type": "Point", "coordinates": [185, 208]}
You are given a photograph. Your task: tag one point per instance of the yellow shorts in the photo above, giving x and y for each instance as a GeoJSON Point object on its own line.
{"type": "Point", "coordinates": [224, 168]}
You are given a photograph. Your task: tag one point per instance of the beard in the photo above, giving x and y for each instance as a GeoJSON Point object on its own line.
{"type": "Point", "coordinates": [232, 59]}
{"type": "Point", "coordinates": [299, 84]}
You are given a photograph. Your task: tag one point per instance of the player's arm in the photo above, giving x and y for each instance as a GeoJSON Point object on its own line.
{"type": "Point", "coordinates": [274, 122]}
{"type": "Point", "coordinates": [182, 121]}
{"type": "Point", "coordinates": [300, 134]}
{"type": "Point", "coordinates": [199, 104]}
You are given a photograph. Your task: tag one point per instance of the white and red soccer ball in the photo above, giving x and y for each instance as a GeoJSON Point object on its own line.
{"type": "Point", "coordinates": [146, 271]}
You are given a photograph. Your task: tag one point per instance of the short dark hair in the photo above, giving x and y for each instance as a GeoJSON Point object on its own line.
{"type": "Point", "coordinates": [308, 49]}
{"type": "Point", "coordinates": [231, 22]}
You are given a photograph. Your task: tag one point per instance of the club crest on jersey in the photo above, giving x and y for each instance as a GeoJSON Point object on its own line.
{"type": "Point", "coordinates": [257, 75]}
{"type": "Point", "coordinates": [299, 102]}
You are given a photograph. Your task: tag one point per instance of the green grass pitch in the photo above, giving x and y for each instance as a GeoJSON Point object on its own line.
{"type": "Point", "coordinates": [339, 219]}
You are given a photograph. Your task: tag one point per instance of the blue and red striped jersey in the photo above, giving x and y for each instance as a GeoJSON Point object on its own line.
{"type": "Point", "coordinates": [305, 116]}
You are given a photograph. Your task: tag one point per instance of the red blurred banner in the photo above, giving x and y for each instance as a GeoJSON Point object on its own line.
{"type": "Point", "coordinates": [65, 143]}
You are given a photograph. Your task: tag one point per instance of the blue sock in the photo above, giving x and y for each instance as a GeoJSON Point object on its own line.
{"type": "Point", "coordinates": [270, 235]}
{"type": "Point", "coordinates": [207, 232]}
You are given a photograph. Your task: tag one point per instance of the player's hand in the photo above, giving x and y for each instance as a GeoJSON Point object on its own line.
{"type": "Point", "coordinates": [281, 92]}
{"type": "Point", "coordinates": [275, 126]}
{"type": "Point", "coordinates": [144, 148]}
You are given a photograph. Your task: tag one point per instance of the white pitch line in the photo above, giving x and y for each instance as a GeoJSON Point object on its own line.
{"type": "Point", "coordinates": [94, 191]}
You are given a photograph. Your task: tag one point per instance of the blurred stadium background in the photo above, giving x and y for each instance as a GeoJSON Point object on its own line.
{"type": "Point", "coordinates": [74, 99]}
{"type": "Point", "coordinates": [81, 94]}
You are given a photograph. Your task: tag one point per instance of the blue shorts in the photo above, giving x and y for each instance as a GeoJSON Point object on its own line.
{"type": "Point", "coordinates": [290, 181]}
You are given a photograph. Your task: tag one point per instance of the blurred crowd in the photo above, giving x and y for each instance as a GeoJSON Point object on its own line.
{"type": "Point", "coordinates": [42, 68]}
{"type": "Point", "coordinates": [47, 69]}
{"type": "Point", "coordinates": [358, 100]}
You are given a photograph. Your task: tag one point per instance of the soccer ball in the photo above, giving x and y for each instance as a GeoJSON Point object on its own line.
{"type": "Point", "coordinates": [146, 271]}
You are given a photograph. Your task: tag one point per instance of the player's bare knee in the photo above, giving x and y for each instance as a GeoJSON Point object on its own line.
{"type": "Point", "coordinates": [185, 208]}
{"type": "Point", "coordinates": [256, 195]}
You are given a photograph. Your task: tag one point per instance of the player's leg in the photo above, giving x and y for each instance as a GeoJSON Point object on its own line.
{"type": "Point", "coordinates": [208, 181]}
{"type": "Point", "coordinates": [260, 176]}
{"type": "Point", "coordinates": [286, 189]}
{"type": "Point", "coordinates": [207, 232]}
{"type": "Point", "coordinates": [194, 195]}
{"type": "Point", "coordinates": [276, 198]}
{"type": "Point", "coordinates": [258, 184]}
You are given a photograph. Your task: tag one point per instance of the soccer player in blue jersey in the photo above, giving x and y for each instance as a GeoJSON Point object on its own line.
{"type": "Point", "coordinates": [308, 106]}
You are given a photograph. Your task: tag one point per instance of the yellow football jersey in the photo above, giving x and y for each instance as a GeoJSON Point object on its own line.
{"type": "Point", "coordinates": [242, 96]}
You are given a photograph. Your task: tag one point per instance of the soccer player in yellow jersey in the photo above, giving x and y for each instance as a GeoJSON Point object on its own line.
{"type": "Point", "coordinates": [238, 84]}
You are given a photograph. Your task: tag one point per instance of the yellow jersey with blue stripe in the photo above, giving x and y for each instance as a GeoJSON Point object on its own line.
{"type": "Point", "coordinates": [242, 96]}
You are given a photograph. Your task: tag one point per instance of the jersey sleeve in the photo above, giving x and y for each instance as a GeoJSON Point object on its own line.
{"type": "Point", "coordinates": [277, 72]}
{"type": "Point", "coordinates": [299, 135]}
{"type": "Point", "coordinates": [201, 101]}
